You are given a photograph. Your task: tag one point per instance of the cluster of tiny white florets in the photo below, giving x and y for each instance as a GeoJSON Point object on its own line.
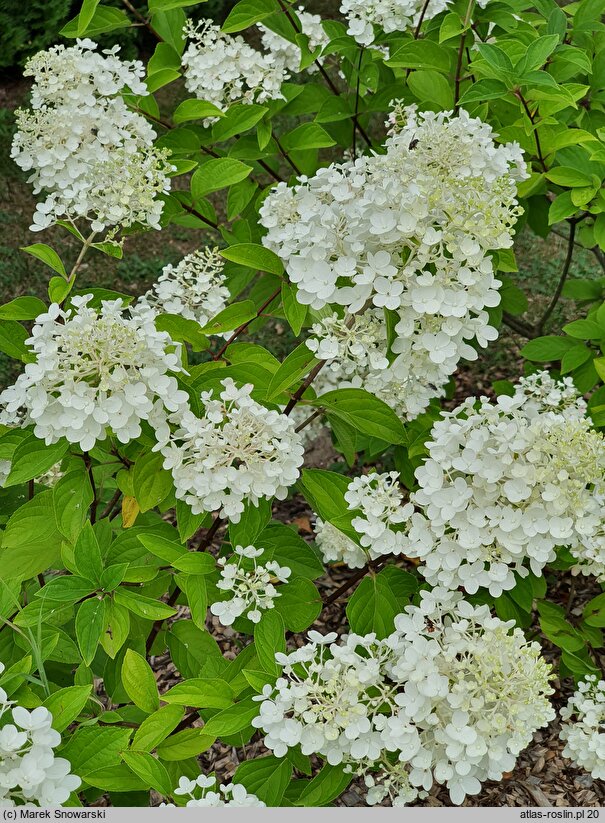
{"type": "Point", "coordinates": [95, 371]}
{"type": "Point", "coordinates": [238, 451]}
{"type": "Point", "coordinates": [453, 692]}
{"type": "Point", "coordinates": [583, 729]}
{"type": "Point", "coordinates": [224, 70]}
{"type": "Point", "coordinates": [202, 793]}
{"type": "Point", "coordinates": [363, 16]}
{"type": "Point", "coordinates": [389, 15]}
{"type": "Point", "coordinates": [379, 511]}
{"type": "Point", "coordinates": [288, 54]}
{"type": "Point", "coordinates": [408, 231]}
{"type": "Point", "coordinates": [90, 154]}
{"type": "Point", "coordinates": [250, 585]}
{"type": "Point", "coordinates": [194, 288]}
{"type": "Point", "coordinates": [505, 484]}
{"type": "Point", "coordinates": [29, 771]}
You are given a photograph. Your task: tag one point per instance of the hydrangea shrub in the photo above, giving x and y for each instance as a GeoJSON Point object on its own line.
{"type": "Point", "coordinates": [358, 181]}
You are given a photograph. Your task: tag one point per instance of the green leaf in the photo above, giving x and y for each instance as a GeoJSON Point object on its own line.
{"type": "Point", "coordinates": [421, 54]}
{"type": "Point", "coordinates": [103, 20]}
{"type": "Point", "coordinates": [182, 329]}
{"type": "Point", "coordinates": [433, 87]}
{"type": "Point", "coordinates": [295, 312]}
{"type": "Point", "coordinates": [117, 628]}
{"type": "Point", "coordinates": [237, 120]}
{"type": "Point", "coordinates": [31, 542]}
{"type": "Point", "coordinates": [157, 727]}
{"type": "Point", "coordinates": [188, 743]}
{"type": "Point", "coordinates": [254, 256]}
{"type": "Point", "coordinates": [32, 458]}
{"type": "Point", "coordinates": [537, 53]}
{"type": "Point", "coordinates": [373, 607]}
{"type": "Point", "coordinates": [12, 341]}
{"type": "Point", "coordinates": [483, 90]}
{"type": "Point", "coordinates": [232, 720]}
{"type": "Point", "coordinates": [151, 482]}
{"type": "Point", "coordinates": [364, 412]}
{"type": "Point", "coordinates": [251, 523]}
{"type": "Point", "coordinates": [307, 136]}
{"type": "Point", "coordinates": [169, 24]}
{"type": "Point", "coordinates": [86, 14]}
{"type": "Point", "coordinates": [139, 682]}
{"type": "Point", "coordinates": [143, 606]}
{"type": "Point", "coordinates": [90, 624]}
{"type": "Point", "coordinates": [195, 110]}
{"type": "Point", "coordinates": [545, 349]}
{"type": "Point", "coordinates": [194, 586]}
{"type": "Point", "coordinates": [326, 786]}
{"type": "Point", "coordinates": [22, 308]}
{"type": "Point", "coordinates": [66, 589]}
{"type": "Point", "coordinates": [269, 638]}
{"type": "Point", "coordinates": [247, 12]}
{"type": "Point", "coordinates": [231, 317]}
{"type": "Point", "coordinates": [87, 554]}
{"type": "Point", "coordinates": [91, 748]}
{"type": "Point", "coordinates": [296, 364]}
{"type": "Point", "coordinates": [116, 779]}
{"type": "Point", "coordinates": [72, 495]}
{"type": "Point", "coordinates": [265, 777]}
{"type": "Point", "coordinates": [218, 173]}
{"type": "Point", "coordinates": [561, 207]}
{"type": "Point", "coordinates": [150, 770]}
{"type": "Point", "coordinates": [201, 693]}
{"type": "Point", "coordinates": [66, 704]}
{"type": "Point", "coordinates": [283, 544]}
{"type": "Point", "coordinates": [47, 255]}
{"type": "Point", "coordinates": [584, 329]}
{"type": "Point", "coordinates": [195, 652]}
{"type": "Point", "coordinates": [299, 604]}
{"type": "Point", "coordinates": [568, 176]}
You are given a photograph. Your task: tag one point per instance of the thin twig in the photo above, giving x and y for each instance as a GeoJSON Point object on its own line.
{"type": "Point", "coordinates": [95, 501]}
{"type": "Point", "coordinates": [304, 386]}
{"type": "Point", "coordinates": [564, 273]}
{"type": "Point", "coordinates": [359, 62]}
{"type": "Point", "coordinates": [286, 156]}
{"type": "Point", "coordinates": [519, 326]}
{"type": "Point", "coordinates": [200, 216]}
{"type": "Point", "coordinates": [109, 507]}
{"type": "Point", "coordinates": [421, 18]}
{"type": "Point", "coordinates": [324, 73]}
{"type": "Point", "coordinates": [535, 130]}
{"type": "Point", "coordinates": [210, 534]}
{"type": "Point", "coordinates": [155, 629]}
{"type": "Point", "coordinates": [372, 565]}
{"type": "Point", "coordinates": [317, 413]}
{"type": "Point", "coordinates": [461, 48]}
{"type": "Point", "coordinates": [142, 20]}
{"type": "Point", "coordinates": [245, 325]}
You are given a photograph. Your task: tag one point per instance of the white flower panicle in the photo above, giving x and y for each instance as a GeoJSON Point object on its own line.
{"type": "Point", "coordinates": [194, 288]}
{"type": "Point", "coordinates": [239, 451]}
{"type": "Point", "coordinates": [408, 231]}
{"type": "Point", "coordinates": [29, 771]}
{"type": "Point", "coordinates": [91, 155]}
{"type": "Point", "coordinates": [583, 729]}
{"type": "Point", "coordinates": [95, 371]}
{"type": "Point", "coordinates": [378, 498]}
{"type": "Point", "coordinates": [204, 793]}
{"type": "Point", "coordinates": [505, 484]}
{"type": "Point", "coordinates": [380, 514]}
{"type": "Point", "coordinates": [363, 16]}
{"type": "Point", "coordinates": [252, 589]}
{"type": "Point", "coordinates": [224, 70]}
{"type": "Point", "coordinates": [288, 54]}
{"type": "Point", "coordinates": [336, 547]}
{"type": "Point", "coordinates": [453, 693]}
{"type": "Point", "coordinates": [390, 15]}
